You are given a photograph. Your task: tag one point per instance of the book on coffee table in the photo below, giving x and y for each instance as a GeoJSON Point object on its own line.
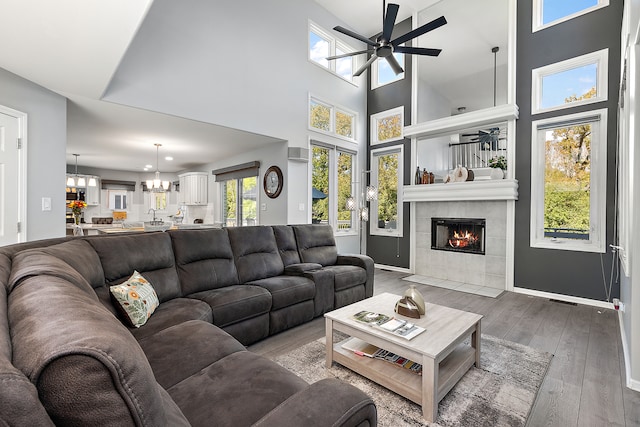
{"type": "Point", "coordinates": [398, 327]}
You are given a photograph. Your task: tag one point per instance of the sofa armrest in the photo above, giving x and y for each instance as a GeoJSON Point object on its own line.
{"type": "Point", "coordinates": [328, 402]}
{"type": "Point", "coordinates": [300, 268]}
{"type": "Point", "coordinates": [363, 261]}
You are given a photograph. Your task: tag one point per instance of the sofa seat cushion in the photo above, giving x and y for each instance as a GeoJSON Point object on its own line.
{"type": "Point", "coordinates": [86, 366]}
{"type": "Point", "coordinates": [174, 312]}
{"type": "Point", "coordinates": [287, 290]}
{"type": "Point", "coordinates": [233, 304]}
{"type": "Point", "coordinates": [238, 390]}
{"type": "Point", "coordinates": [185, 349]}
{"type": "Point", "coordinates": [347, 276]}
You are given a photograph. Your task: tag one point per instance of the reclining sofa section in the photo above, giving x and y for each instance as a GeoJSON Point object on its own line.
{"type": "Point", "coordinates": [66, 358]}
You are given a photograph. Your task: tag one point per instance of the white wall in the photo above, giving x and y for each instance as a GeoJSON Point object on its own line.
{"type": "Point", "coordinates": [630, 280]}
{"type": "Point", "coordinates": [244, 66]}
{"type": "Point", "coordinates": [46, 144]}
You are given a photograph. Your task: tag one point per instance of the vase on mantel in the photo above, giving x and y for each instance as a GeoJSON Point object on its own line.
{"type": "Point", "coordinates": [416, 296]}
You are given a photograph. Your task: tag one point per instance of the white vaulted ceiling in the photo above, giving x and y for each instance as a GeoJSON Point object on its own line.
{"type": "Point", "coordinates": [76, 47]}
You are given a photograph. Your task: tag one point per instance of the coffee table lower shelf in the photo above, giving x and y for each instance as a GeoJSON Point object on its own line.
{"type": "Point", "coordinates": [402, 381]}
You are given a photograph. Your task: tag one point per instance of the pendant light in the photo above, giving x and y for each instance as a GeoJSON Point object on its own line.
{"type": "Point", "coordinates": [71, 181]}
{"type": "Point", "coordinates": [156, 185]}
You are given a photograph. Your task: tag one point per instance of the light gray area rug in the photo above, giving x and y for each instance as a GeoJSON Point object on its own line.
{"type": "Point", "coordinates": [501, 393]}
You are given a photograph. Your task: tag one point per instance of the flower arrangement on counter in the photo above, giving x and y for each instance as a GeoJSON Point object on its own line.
{"type": "Point", "coordinates": [76, 207]}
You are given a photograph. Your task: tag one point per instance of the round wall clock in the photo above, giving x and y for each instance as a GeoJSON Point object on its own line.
{"type": "Point", "coordinates": [273, 181]}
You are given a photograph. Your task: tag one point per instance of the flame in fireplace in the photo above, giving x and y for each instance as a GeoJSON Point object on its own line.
{"type": "Point", "coordinates": [462, 239]}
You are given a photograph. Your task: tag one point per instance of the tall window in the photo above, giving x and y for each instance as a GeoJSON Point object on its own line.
{"type": "Point", "coordinates": [331, 119]}
{"type": "Point", "coordinates": [382, 74]}
{"type": "Point", "coordinates": [386, 175]}
{"type": "Point", "coordinates": [239, 202]}
{"type": "Point", "coordinates": [387, 126]}
{"type": "Point", "coordinates": [323, 44]}
{"type": "Point", "coordinates": [569, 182]}
{"type": "Point", "coordinates": [551, 12]}
{"type": "Point", "coordinates": [576, 81]}
{"type": "Point", "coordinates": [332, 183]}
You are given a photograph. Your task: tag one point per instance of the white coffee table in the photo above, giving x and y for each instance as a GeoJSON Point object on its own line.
{"type": "Point", "coordinates": [440, 349]}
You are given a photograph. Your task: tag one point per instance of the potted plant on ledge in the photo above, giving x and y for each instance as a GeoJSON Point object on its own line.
{"type": "Point", "coordinates": [499, 166]}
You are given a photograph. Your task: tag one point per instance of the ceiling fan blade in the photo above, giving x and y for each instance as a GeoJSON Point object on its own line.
{"type": "Point", "coordinates": [417, 50]}
{"type": "Point", "coordinates": [389, 21]}
{"type": "Point", "coordinates": [355, 35]}
{"type": "Point", "coordinates": [344, 55]}
{"type": "Point", "coordinates": [430, 26]}
{"type": "Point", "coordinates": [366, 65]}
{"type": "Point", "coordinates": [394, 65]}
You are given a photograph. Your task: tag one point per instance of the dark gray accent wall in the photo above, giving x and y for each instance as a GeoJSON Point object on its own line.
{"type": "Point", "coordinates": [392, 251]}
{"type": "Point", "coordinates": [564, 272]}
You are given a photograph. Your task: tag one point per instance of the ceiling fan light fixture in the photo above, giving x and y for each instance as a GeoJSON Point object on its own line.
{"type": "Point", "coordinates": [384, 47]}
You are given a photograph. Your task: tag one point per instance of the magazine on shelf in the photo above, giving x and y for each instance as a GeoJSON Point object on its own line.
{"type": "Point", "coordinates": [364, 349]}
{"type": "Point", "coordinates": [398, 327]}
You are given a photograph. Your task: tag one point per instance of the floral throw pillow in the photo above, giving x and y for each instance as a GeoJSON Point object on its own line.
{"type": "Point", "coordinates": [136, 298]}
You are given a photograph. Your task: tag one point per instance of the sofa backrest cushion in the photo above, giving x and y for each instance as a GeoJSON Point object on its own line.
{"type": "Point", "coordinates": [35, 262]}
{"type": "Point", "coordinates": [286, 241]}
{"type": "Point", "coordinates": [255, 252]}
{"type": "Point", "coordinates": [316, 243]}
{"type": "Point", "coordinates": [204, 259]}
{"type": "Point", "coordinates": [80, 255]}
{"type": "Point", "coordinates": [87, 367]}
{"type": "Point", "coordinates": [19, 404]}
{"type": "Point", "coordinates": [151, 254]}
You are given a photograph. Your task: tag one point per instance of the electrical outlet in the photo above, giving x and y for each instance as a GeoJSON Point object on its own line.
{"type": "Point", "coordinates": [301, 207]}
{"type": "Point", "coordinates": [263, 206]}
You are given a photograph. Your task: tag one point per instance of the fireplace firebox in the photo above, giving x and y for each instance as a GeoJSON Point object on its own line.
{"type": "Point", "coordinates": [458, 235]}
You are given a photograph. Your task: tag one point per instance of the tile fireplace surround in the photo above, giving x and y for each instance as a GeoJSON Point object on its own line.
{"type": "Point", "coordinates": [488, 270]}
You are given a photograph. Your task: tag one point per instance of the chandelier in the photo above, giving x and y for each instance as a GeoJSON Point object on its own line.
{"type": "Point", "coordinates": [81, 182]}
{"type": "Point", "coordinates": [156, 185]}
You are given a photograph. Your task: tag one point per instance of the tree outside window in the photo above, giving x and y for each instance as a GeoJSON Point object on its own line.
{"type": "Point", "coordinates": [320, 116]}
{"type": "Point", "coordinates": [386, 175]}
{"type": "Point", "coordinates": [387, 126]}
{"type": "Point", "coordinates": [320, 182]}
{"type": "Point", "coordinates": [332, 183]}
{"type": "Point", "coordinates": [240, 207]}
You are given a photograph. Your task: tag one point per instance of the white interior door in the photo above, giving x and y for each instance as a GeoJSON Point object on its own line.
{"type": "Point", "coordinates": [10, 201]}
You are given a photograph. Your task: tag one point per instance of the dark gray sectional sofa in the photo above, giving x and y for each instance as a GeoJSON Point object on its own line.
{"type": "Point", "coordinates": [67, 358]}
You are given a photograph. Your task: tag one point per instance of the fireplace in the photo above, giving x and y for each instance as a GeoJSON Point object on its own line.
{"type": "Point", "coordinates": [458, 235]}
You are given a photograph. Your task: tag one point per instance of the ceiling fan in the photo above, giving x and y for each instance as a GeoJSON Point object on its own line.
{"type": "Point", "coordinates": [384, 47]}
{"type": "Point", "coordinates": [488, 139]}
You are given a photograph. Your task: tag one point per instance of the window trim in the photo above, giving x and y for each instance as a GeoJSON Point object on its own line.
{"type": "Point", "coordinates": [597, 219]}
{"type": "Point", "coordinates": [382, 114]}
{"type": "Point", "coordinates": [333, 44]}
{"type": "Point", "coordinates": [374, 230]}
{"type": "Point", "coordinates": [375, 70]}
{"type": "Point", "coordinates": [334, 151]}
{"type": "Point", "coordinates": [599, 58]}
{"type": "Point", "coordinates": [332, 119]}
{"type": "Point", "coordinates": [537, 25]}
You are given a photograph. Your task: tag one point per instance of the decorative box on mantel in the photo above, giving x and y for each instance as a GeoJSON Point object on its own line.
{"type": "Point", "coordinates": [499, 189]}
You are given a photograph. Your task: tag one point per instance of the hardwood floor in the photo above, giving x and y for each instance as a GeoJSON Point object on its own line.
{"type": "Point", "coordinates": [585, 382]}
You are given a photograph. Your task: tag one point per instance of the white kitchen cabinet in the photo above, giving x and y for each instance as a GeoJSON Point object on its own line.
{"type": "Point", "coordinates": [193, 188]}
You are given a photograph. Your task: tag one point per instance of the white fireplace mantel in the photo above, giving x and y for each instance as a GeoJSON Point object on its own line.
{"type": "Point", "coordinates": [499, 189]}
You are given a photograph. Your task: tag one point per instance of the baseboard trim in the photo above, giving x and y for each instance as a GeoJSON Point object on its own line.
{"type": "Point", "coordinates": [566, 298]}
{"type": "Point", "coordinates": [392, 268]}
{"type": "Point", "coordinates": [631, 383]}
